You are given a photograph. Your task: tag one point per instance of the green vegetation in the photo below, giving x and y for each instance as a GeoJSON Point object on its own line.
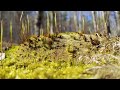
{"type": "Point", "coordinates": [45, 52]}
{"type": "Point", "coordinates": [63, 56]}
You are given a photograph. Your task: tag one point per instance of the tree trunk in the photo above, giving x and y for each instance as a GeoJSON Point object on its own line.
{"type": "Point", "coordinates": [117, 14]}
{"type": "Point", "coordinates": [107, 22]}
{"type": "Point", "coordinates": [40, 21]}
{"type": "Point", "coordinates": [51, 22]}
{"type": "Point", "coordinates": [75, 21]}
{"type": "Point", "coordinates": [94, 16]}
{"type": "Point", "coordinates": [55, 30]}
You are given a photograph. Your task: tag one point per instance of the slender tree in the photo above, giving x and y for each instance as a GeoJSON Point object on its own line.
{"type": "Point", "coordinates": [40, 21]}
{"type": "Point", "coordinates": [94, 16]}
{"type": "Point", "coordinates": [48, 24]}
{"type": "Point", "coordinates": [107, 22]}
{"type": "Point", "coordinates": [54, 22]}
{"type": "Point", "coordinates": [82, 22]}
{"type": "Point", "coordinates": [64, 20]}
{"type": "Point", "coordinates": [117, 19]}
{"type": "Point", "coordinates": [51, 22]}
{"type": "Point", "coordinates": [75, 20]}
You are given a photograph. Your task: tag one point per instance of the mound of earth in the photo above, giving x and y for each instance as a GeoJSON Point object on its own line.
{"type": "Point", "coordinates": [66, 55]}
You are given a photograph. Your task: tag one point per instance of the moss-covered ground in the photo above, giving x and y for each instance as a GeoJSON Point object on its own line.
{"type": "Point", "coordinates": [68, 55]}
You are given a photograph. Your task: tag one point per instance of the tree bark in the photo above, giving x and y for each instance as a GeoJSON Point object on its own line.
{"type": "Point", "coordinates": [117, 15]}
{"type": "Point", "coordinates": [40, 21]}
{"type": "Point", "coordinates": [94, 16]}
{"type": "Point", "coordinates": [55, 30]}
{"type": "Point", "coordinates": [107, 22]}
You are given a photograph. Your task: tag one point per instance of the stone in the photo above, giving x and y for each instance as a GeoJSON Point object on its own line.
{"type": "Point", "coordinates": [2, 56]}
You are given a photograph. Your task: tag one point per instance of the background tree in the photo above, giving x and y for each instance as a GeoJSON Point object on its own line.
{"type": "Point", "coordinates": [94, 17]}
{"type": "Point", "coordinates": [107, 22]}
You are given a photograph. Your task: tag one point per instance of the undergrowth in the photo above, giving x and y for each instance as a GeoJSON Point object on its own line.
{"type": "Point", "coordinates": [62, 56]}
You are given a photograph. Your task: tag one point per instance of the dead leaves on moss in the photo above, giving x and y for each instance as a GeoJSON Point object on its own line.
{"type": "Point", "coordinates": [104, 72]}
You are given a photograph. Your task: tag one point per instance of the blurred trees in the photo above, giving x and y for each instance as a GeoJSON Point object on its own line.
{"type": "Point", "coordinates": [49, 22]}
{"type": "Point", "coordinates": [107, 22]}
{"type": "Point", "coordinates": [117, 20]}
{"type": "Point", "coordinates": [94, 16]}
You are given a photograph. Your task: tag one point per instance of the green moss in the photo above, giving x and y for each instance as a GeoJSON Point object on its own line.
{"type": "Point", "coordinates": [71, 49]}
{"type": "Point", "coordinates": [61, 56]}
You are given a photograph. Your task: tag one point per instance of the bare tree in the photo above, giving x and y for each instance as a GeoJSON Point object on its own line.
{"type": "Point", "coordinates": [107, 22]}
{"type": "Point", "coordinates": [48, 24]}
{"type": "Point", "coordinates": [94, 16]}
{"type": "Point", "coordinates": [55, 30]}
{"type": "Point", "coordinates": [82, 22]}
{"type": "Point", "coordinates": [51, 22]}
{"type": "Point", "coordinates": [75, 20]}
{"type": "Point", "coordinates": [59, 20]}
{"type": "Point", "coordinates": [40, 21]}
{"type": "Point", "coordinates": [117, 19]}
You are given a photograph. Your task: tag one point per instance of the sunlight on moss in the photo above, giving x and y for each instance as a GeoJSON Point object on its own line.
{"type": "Point", "coordinates": [62, 56]}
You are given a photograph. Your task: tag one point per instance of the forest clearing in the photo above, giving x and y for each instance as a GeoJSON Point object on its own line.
{"type": "Point", "coordinates": [55, 54]}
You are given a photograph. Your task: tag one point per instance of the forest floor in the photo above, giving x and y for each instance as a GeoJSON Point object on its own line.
{"type": "Point", "coordinates": [64, 56]}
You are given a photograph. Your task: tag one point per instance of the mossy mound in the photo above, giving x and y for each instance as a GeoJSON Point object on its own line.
{"type": "Point", "coordinates": [66, 55]}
